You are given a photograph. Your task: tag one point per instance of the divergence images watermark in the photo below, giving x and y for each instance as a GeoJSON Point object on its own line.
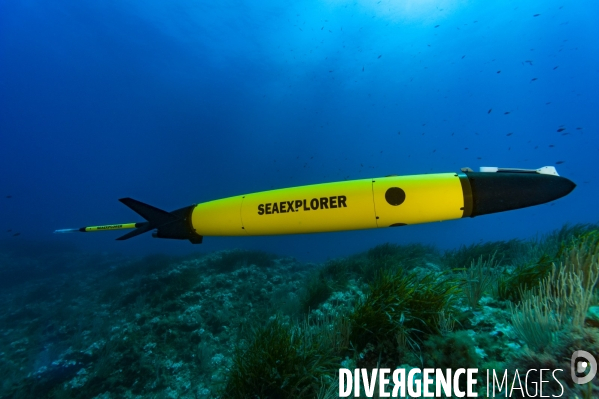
{"type": "Point", "coordinates": [431, 382]}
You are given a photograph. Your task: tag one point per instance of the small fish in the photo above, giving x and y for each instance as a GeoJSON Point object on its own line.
{"type": "Point", "coordinates": [380, 56]}
{"type": "Point", "coordinates": [436, 26]}
{"type": "Point", "coordinates": [506, 112]}
{"type": "Point", "coordinates": [479, 158]}
{"type": "Point", "coordinates": [561, 129]}
{"type": "Point", "coordinates": [16, 234]}
{"type": "Point", "coordinates": [533, 79]}
{"type": "Point", "coordinates": [489, 111]}
{"type": "Point", "coordinates": [465, 148]}
{"type": "Point", "coordinates": [498, 71]}
{"type": "Point", "coordinates": [9, 230]}
{"type": "Point", "coordinates": [559, 162]}
{"type": "Point", "coordinates": [554, 68]}
{"type": "Point", "coordinates": [463, 56]}
{"type": "Point", "coordinates": [528, 62]}
{"type": "Point", "coordinates": [551, 145]}
{"type": "Point", "coordinates": [536, 146]}
{"type": "Point", "coordinates": [578, 128]}
{"type": "Point", "coordinates": [362, 69]}
{"type": "Point", "coordinates": [9, 196]}
{"type": "Point", "coordinates": [565, 134]}
{"type": "Point", "coordinates": [536, 15]}
{"type": "Point", "coordinates": [509, 134]}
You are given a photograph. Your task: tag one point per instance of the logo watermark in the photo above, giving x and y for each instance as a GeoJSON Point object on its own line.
{"type": "Point", "coordinates": [578, 366]}
{"type": "Point", "coordinates": [430, 382]}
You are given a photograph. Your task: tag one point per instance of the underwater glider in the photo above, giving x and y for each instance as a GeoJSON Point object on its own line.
{"type": "Point", "coordinates": [351, 205]}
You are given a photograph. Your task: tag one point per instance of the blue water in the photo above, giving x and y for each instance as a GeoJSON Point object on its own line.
{"type": "Point", "coordinates": [174, 103]}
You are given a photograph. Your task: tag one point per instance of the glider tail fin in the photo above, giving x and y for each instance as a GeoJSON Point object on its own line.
{"type": "Point", "coordinates": [175, 224]}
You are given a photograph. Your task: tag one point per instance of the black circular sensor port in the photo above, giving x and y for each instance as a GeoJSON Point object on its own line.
{"type": "Point", "coordinates": [395, 196]}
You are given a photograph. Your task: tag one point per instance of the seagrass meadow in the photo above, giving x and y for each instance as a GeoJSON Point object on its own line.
{"type": "Point", "coordinates": [250, 324]}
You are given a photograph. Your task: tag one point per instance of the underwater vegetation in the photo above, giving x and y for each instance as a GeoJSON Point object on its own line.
{"type": "Point", "coordinates": [551, 317]}
{"type": "Point", "coordinates": [282, 361]}
{"type": "Point", "coordinates": [463, 256]}
{"type": "Point", "coordinates": [536, 263]}
{"type": "Point", "coordinates": [336, 274]}
{"type": "Point", "coordinates": [248, 324]}
{"type": "Point", "coordinates": [478, 279]}
{"type": "Point", "coordinates": [399, 307]}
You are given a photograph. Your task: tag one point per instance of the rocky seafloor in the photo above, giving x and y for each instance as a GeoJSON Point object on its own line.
{"type": "Point", "coordinates": [248, 324]}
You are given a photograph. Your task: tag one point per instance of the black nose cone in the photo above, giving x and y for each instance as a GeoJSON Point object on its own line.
{"type": "Point", "coordinates": [498, 192]}
{"type": "Point", "coordinates": [562, 187]}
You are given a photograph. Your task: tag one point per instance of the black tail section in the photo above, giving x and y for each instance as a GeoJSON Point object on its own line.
{"type": "Point", "coordinates": [176, 224]}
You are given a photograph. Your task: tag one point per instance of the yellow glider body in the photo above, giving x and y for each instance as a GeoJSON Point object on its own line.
{"type": "Point", "coordinates": [349, 205]}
